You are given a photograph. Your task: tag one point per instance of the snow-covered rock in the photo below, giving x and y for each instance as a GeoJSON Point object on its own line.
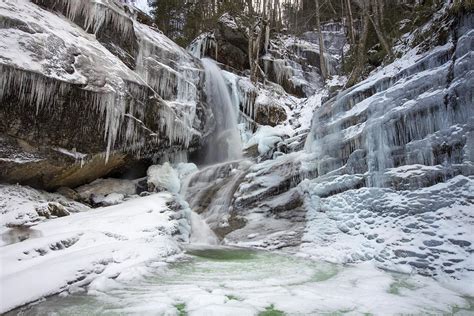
{"type": "Point", "coordinates": [265, 139]}
{"type": "Point", "coordinates": [24, 207]}
{"type": "Point", "coordinates": [163, 177]}
{"type": "Point", "coordinates": [424, 230]}
{"type": "Point", "coordinates": [107, 191]}
{"type": "Point", "coordinates": [124, 89]}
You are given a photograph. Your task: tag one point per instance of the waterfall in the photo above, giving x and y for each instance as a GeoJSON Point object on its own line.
{"type": "Point", "coordinates": [225, 143]}
{"type": "Point", "coordinates": [224, 147]}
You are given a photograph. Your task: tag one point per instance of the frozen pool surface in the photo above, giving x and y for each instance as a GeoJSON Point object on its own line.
{"type": "Point", "coordinates": [229, 281]}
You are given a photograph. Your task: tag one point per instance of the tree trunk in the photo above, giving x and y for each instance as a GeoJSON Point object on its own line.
{"type": "Point", "coordinates": [266, 23]}
{"type": "Point", "coordinates": [250, 7]}
{"type": "Point", "coordinates": [351, 22]}
{"type": "Point", "coordinates": [381, 11]}
{"type": "Point", "coordinates": [251, 65]}
{"type": "Point", "coordinates": [322, 59]}
{"type": "Point", "coordinates": [275, 13]}
{"type": "Point", "coordinates": [256, 54]}
{"type": "Point", "coordinates": [360, 61]}
{"type": "Point", "coordinates": [375, 20]}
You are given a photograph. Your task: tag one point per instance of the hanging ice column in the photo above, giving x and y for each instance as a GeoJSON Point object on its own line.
{"type": "Point", "coordinates": [225, 143]}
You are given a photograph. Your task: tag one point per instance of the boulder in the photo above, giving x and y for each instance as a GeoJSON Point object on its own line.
{"type": "Point", "coordinates": [103, 192]}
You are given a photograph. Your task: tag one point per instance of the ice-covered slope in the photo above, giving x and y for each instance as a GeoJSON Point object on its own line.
{"type": "Point", "coordinates": [83, 78]}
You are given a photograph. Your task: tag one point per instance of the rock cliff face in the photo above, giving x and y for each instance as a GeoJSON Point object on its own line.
{"type": "Point", "coordinates": [86, 88]}
{"type": "Point", "coordinates": [293, 62]}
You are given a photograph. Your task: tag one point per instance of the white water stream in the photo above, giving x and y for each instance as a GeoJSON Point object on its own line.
{"type": "Point", "coordinates": [225, 143]}
{"type": "Point", "coordinates": [201, 233]}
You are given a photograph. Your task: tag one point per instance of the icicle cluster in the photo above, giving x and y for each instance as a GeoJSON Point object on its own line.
{"type": "Point", "coordinates": [153, 105]}
{"type": "Point", "coordinates": [201, 44]}
{"type": "Point", "coordinates": [96, 14]}
{"type": "Point", "coordinates": [243, 94]}
{"type": "Point", "coordinates": [48, 95]}
{"type": "Point", "coordinates": [412, 117]}
{"type": "Point", "coordinates": [31, 88]}
{"type": "Point", "coordinates": [289, 74]}
{"type": "Point", "coordinates": [177, 86]}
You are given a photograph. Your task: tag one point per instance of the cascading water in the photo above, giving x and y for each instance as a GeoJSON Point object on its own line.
{"type": "Point", "coordinates": [210, 192]}
{"type": "Point", "coordinates": [201, 233]}
{"type": "Point", "coordinates": [225, 143]}
{"type": "Point", "coordinates": [218, 181]}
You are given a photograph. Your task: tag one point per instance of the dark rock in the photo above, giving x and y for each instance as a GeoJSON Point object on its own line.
{"type": "Point", "coordinates": [407, 253]}
{"type": "Point", "coordinates": [252, 151]}
{"type": "Point", "coordinates": [57, 209]}
{"type": "Point", "coordinates": [460, 243]}
{"type": "Point", "coordinates": [69, 193]}
{"type": "Point", "coordinates": [271, 114]}
{"type": "Point", "coordinates": [432, 243]}
{"type": "Point", "coordinates": [232, 44]}
{"type": "Point", "coordinates": [419, 264]}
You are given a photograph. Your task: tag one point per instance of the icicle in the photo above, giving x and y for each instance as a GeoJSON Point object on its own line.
{"type": "Point", "coordinates": [177, 86]}
{"type": "Point", "coordinates": [46, 94]}
{"type": "Point", "coordinates": [96, 14]}
{"type": "Point", "coordinates": [201, 44]}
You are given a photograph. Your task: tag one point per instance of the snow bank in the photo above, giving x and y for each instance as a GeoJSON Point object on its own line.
{"type": "Point", "coordinates": [425, 230]}
{"type": "Point", "coordinates": [99, 244]}
{"type": "Point", "coordinates": [266, 137]}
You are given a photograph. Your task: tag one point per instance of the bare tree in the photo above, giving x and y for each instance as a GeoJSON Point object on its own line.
{"type": "Point", "coordinates": [350, 22]}
{"type": "Point", "coordinates": [376, 20]}
{"type": "Point", "coordinates": [361, 56]}
{"type": "Point", "coordinates": [322, 59]}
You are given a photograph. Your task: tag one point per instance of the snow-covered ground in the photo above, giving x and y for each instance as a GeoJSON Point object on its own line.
{"type": "Point", "coordinates": [92, 246]}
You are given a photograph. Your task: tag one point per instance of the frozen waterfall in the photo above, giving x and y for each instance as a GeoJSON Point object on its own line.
{"type": "Point", "coordinates": [225, 143]}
